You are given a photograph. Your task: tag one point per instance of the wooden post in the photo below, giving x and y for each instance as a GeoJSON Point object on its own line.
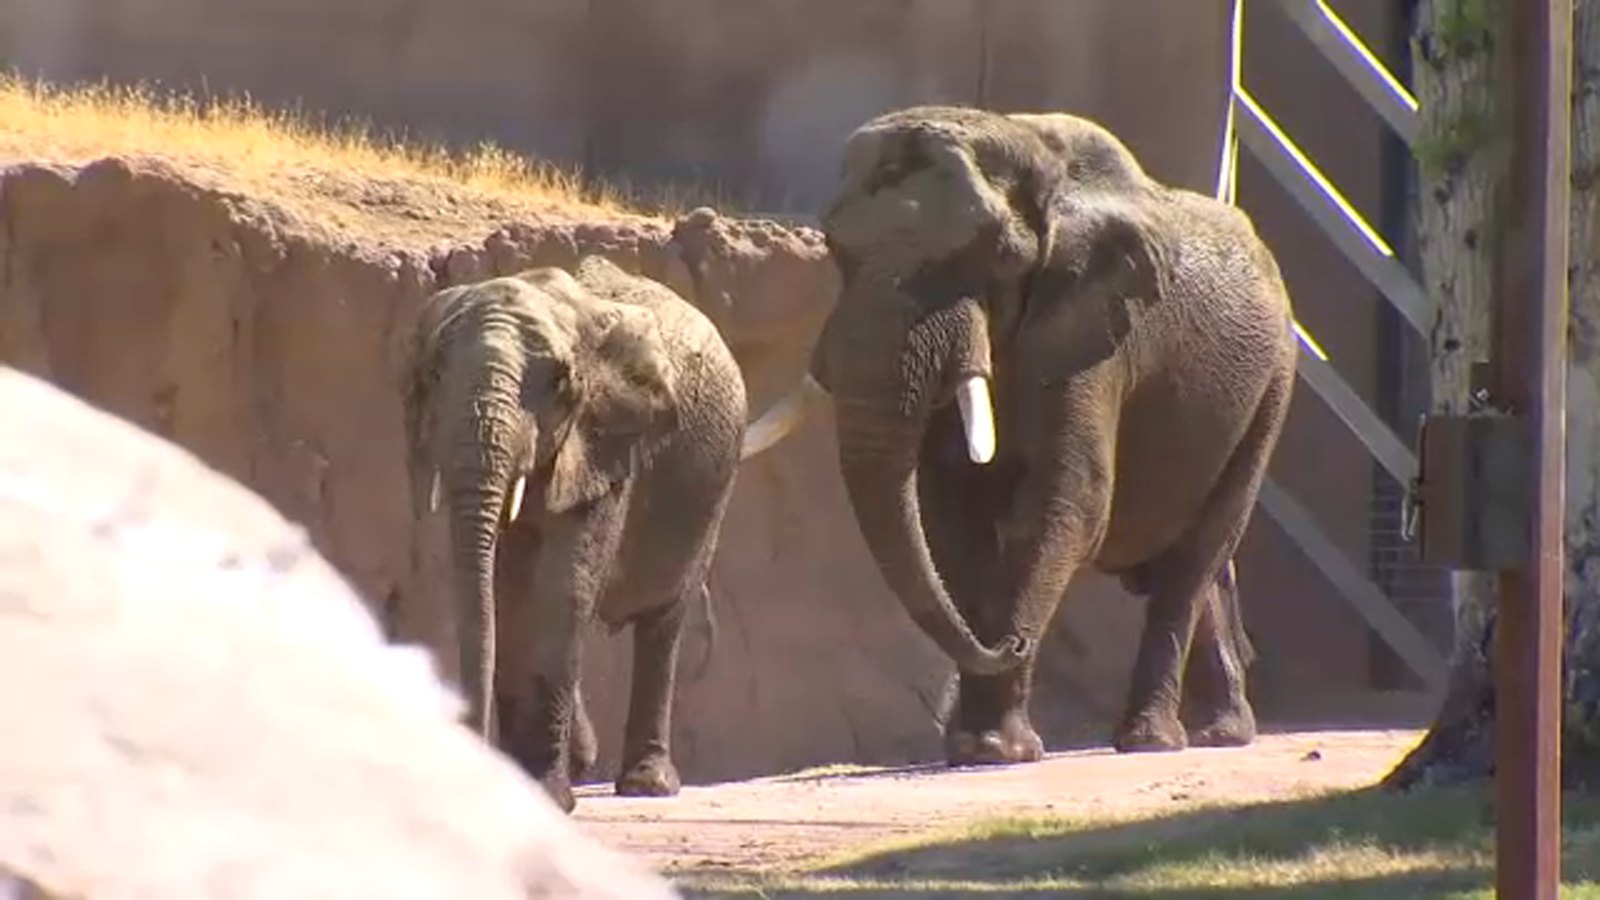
{"type": "Point", "coordinates": [1529, 367]}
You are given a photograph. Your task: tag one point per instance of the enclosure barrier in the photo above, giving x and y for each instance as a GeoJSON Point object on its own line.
{"type": "Point", "coordinates": [1247, 124]}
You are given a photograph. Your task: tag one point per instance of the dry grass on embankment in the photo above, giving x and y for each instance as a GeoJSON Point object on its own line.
{"type": "Point", "coordinates": [346, 177]}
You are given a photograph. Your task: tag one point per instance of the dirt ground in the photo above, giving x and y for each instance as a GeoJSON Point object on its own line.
{"type": "Point", "coordinates": [787, 820]}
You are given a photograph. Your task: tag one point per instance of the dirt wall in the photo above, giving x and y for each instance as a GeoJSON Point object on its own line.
{"type": "Point", "coordinates": [284, 381]}
{"type": "Point", "coordinates": [268, 345]}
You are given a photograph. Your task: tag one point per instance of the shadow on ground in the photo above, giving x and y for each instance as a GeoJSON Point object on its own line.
{"type": "Point", "coordinates": [1074, 743]}
{"type": "Point", "coordinates": [1365, 843]}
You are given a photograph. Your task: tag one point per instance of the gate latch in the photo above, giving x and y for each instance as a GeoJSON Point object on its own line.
{"type": "Point", "coordinates": [1471, 500]}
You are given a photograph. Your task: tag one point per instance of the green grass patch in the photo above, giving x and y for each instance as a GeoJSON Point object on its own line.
{"type": "Point", "coordinates": [826, 772]}
{"type": "Point", "coordinates": [1366, 843]}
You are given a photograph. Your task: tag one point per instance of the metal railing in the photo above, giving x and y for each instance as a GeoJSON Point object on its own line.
{"type": "Point", "coordinates": [1248, 125]}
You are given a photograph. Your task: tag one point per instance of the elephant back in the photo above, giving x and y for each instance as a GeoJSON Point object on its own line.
{"type": "Point", "coordinates": [711, 393]}
{"type": "Point", "coordinates": [1093, 155]}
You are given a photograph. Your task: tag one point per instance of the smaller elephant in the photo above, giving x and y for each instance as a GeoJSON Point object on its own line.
{"type": "Point", "coordinates": [584, 430]}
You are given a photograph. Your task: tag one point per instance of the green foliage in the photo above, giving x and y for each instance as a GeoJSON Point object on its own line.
{"type": "Point", "coordinates": [1460, 30]}
{"type": "Point", "coordinates": [1445, 151]}
{"type": "Point", "coordinates": [1456, 34]}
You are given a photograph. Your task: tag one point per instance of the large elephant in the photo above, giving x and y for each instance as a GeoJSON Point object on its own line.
{"type": "Point", "coordinates": [1041, 360]}
{"type": "Point", "coordinates": [584, 431]}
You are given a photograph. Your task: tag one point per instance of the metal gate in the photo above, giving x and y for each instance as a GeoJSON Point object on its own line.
{"type": "Point", "coordinates": [1249, 126]}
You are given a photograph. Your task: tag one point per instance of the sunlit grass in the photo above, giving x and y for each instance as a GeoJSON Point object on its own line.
{"type": "Point", "coordinates": [831, 770]}
{"type": "Point", "coordinates": [246, 139]}
{"type": "Point", "coordinates": [1354, 844]}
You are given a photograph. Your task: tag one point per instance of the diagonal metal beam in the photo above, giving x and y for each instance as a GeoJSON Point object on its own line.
{"type": "Point", "coordinates": [1353, 60]}
{"type": "Point", "coordinates": [1367, 598]}
{"type": "Point", "coordinates": [1331, 211]}
{"type": "Point", "coordinates": [1228, 171]}
{"type": "Point", "coordinates": [1248, 124]}
{"type": "Point", "coordinates": [1374, 434]}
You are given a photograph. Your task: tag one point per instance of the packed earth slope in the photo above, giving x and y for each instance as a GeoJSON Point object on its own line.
{"type": "Point", "coordinates": [795, 820]}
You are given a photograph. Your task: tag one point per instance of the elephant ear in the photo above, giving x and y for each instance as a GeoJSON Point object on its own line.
{"type": "Point", "coordinates": [623, 404]}
{"type": "Point", "coordinates": [1102, 264]}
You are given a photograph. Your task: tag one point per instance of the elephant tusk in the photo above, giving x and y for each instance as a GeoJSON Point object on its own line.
{"type": "Point", "coordinates": [433, 492]}
{"type": "Point", "coordinates": [514, 507]}
{"type": "Point", "coordinates": [977, 417]}
{"type": "Point", "coordinates": [782, 419]}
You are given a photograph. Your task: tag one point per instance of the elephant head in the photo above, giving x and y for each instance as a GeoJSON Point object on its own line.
{"type": "Point", "coordinates": [526, 387]}
{"type": "Point", "coordinates": [956, 232]}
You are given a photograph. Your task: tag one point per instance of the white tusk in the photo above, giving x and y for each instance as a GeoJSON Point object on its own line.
{"type": "Point", "coordinates": [515, 506]}
{"type": "Point", "coordinates": [784, 416]}
{"type": "Point", "coordinates": [977, 417]}
{"type": "Point", "coordinates": [433, 492]}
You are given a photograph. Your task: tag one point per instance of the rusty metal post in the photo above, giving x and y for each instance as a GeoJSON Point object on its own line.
{"type": "Point", "coordinates": [1529, 368]}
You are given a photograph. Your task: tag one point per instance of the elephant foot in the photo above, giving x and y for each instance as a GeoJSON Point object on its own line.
{"type": "Point", "coordinates": [1233, 725]}
{"type": "Point", "coordinates": [1150, 732]}
{"type": "Point", "coordinates": [653, 776]}
{"type": "Point", "coordinates": [555, 776]}
{"type": "Point", "coordinates": [560, 792]}
{"type": "Point", "coordinates": [1014, 741]}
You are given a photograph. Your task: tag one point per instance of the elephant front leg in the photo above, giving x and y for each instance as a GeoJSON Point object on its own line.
{"type": "Point", "coordinates": [647, 769]}
{"type": "Point", "coordinates": [1215, 708]}
{"type": "Point", "coordinates": [538, 725]}
{"type": "Point", "coordinates": [541, 713]}
{"type": "Point", "coordinates": [1040, 551]}
{"type": "Point", "coordinates": [989, 722]}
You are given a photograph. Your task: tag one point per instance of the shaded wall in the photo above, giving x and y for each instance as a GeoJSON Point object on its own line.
{"type": "Point", "coordinates": [750, 98]}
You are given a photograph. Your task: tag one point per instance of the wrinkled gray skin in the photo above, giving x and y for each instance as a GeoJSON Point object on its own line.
{"type": "Point", "coordinates": [1137, 344]}
{"type": "Point", "coordinates": [620, 405]}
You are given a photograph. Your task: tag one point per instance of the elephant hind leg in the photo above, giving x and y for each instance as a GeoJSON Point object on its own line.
{"type": "Point", "coordinates": [1186, 598]}
{"type": "Point", "coordinates": [1215, 709]}
{"type": "Point", "coordinates": [647, 768]}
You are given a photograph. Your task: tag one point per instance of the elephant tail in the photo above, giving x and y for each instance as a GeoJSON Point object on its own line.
{"type": "Point", "coordinates": [708, 604]}
{"type": "Point", "coordinates": [1233, 616]}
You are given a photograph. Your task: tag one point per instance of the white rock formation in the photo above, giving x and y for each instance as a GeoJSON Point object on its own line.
{"type": "Point", "coordinates": [193, 704]}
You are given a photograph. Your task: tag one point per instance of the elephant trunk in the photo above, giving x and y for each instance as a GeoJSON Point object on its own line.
{"type": "Point", "coordinates": [480, 482]}
{"type": "Point", "coordinates": [883, 398]}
